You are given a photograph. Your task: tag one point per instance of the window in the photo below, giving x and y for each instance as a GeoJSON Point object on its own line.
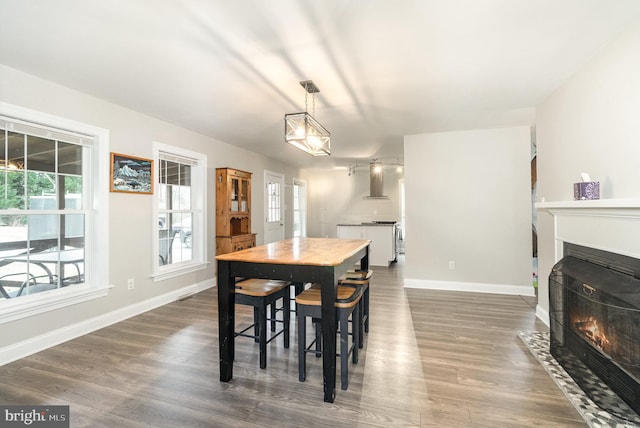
{"type": "Point", "coordinates": [299, 208]}
{"type": "Point", "coordinates": [180, 208]}
{"type": "Point", "coordinates": [273, 207]}
{"type": "Point", "coordinates": [273, 202]}
{"type": "Point", "coordinates": [48, 231]}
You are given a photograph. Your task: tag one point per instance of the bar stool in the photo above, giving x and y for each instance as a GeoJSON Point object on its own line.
{"type": "Point", "coordinates": [261, 293]}
{"type": "Point", "coordinates": [360, 277]}
{"type": "Point", "coordinates": [308, 304]}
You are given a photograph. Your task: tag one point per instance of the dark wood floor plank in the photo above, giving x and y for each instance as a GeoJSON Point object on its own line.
{"type": "Point", "coordinates": [431, 359]}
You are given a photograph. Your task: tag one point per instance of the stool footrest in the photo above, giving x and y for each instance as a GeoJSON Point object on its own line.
{"type": "Point", "coordinates": [251, 336]}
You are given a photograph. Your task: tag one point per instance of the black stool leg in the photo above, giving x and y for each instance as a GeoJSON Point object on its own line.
{"type": "Point", "coordinates": [256, 324]}
{"type": "Point", "coordinates": [262, 335]}
{"type": "Point", "coordinates": [344, 348]}
{"type": "Point", "coordinates": [302, 340]}
{"type": "Point", "coordinates": [361, 312]}
{"type": "Point", "coordinates": [286, 317]}
{"type": "Point", "coordinates": [366, 309]}
{"type": "Point", "coordinates": [318, 328]}
{"type": "Point", "coordinates": [356, 334]}
{"type": "Point", "coordinates": [273, 315]}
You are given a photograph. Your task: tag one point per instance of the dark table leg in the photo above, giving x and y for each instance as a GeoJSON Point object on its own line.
{"type": "Point", "coordinates": [226, 319]}
{"type": "Point", "coordinates": [329, 330]}
{"type": "Point", "coordinates": [364, 261]}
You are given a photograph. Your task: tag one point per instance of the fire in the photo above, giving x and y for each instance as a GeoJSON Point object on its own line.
{"type": "Point", "coordinates": [591, 331]}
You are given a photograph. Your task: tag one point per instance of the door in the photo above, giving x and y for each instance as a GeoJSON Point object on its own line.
{"type": "Point", "coordinates": [273, 207]}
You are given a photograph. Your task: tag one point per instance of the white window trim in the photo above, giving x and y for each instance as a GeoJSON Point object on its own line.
{"type": "Point", "coordinates": [97, 233]}
{"type": "Point", "coordinates": [304, 209]}
{"type": "Point", "coordinates": [161, 273]}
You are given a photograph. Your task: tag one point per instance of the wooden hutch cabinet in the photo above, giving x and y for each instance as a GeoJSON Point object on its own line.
{"type": "Point", "coordinates": [233, 211]}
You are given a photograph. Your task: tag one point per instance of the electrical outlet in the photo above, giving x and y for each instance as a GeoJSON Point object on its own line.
{"type": "Point", "coordinates": [130, 284]}
{"type": "Point", "coordinates": [452, 264]}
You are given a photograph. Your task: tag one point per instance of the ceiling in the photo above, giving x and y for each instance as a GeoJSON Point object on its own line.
{"type": "Point", "coordinates": [385, 69]}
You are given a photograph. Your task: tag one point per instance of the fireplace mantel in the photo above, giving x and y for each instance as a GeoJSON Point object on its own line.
{"type": "Point", "coordinates": [607, 224]}
{"type": "Point", "coordinates": [592, 204]}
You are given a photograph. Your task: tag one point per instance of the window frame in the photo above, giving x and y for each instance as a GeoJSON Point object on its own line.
{"type": "Point", "coordinates": [96, 194]}
{"type": "Point", "coordinates": [274, 201]}
{"type": "Point", "coordinates": [300, 183]}
{"type": "Point", "coordinates": [198, 209]}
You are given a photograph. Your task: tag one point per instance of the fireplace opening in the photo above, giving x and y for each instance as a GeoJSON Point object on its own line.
{"type": "Point", "coordinates": [594, 299]}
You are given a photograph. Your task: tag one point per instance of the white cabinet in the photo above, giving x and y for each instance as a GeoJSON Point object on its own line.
{"type": "Point", "coordinates": [351, 232]}
{"type": "Point", "coordinates": [382, 250]}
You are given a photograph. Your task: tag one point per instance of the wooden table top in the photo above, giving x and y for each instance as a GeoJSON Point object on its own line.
{"type": "Point", "coordinates": [300, 251]}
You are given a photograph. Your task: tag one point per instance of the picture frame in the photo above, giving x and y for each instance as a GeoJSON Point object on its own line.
{"type": "Point", "coordinates": [131, 174]}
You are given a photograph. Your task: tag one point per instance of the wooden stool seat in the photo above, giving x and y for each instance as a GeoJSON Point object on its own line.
{"type": "Point", "coordinates": [345, 297]}
{"type": "Point", "coordinates": [358, 274]}
{"type": "Point", "coordinates": [309, 304]}
{"type": "Point", "coordinates": [259, 287]}
{"type": "Point", "coordinates": [261, 293]}
{"type": "Point", "coordinates": [360, 277]}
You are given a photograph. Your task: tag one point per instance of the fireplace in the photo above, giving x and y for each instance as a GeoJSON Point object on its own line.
{"type": "Point", "coordinates": [594, 301]}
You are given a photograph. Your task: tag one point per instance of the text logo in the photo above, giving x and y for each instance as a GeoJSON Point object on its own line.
{"type": "Point", "coordinates": [34, 416]}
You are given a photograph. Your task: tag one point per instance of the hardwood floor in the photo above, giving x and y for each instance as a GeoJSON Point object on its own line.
{"type": "Point", "coordinates": [431, 359]}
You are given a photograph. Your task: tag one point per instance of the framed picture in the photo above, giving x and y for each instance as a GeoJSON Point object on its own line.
{"type": "Point", "coordinates": [131, 174]}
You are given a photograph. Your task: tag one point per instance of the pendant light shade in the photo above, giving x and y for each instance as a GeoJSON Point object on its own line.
{"type": "Point", "coordinates": [303, 131]}
{"type": "Point", "coordinates": [306, 133]}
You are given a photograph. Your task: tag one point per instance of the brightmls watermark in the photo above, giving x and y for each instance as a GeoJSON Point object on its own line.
{"type": "Point", "coordinates": [34, 416]}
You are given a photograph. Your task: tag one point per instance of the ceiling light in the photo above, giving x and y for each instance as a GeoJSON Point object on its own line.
{"type": "Point", "coordinates": [376, 166]}
{"type": "Point", "coordinates": [303, 131]}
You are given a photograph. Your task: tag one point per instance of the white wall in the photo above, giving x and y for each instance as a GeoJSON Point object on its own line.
{"type": "Point", "coordinates": [334, 197]}
{"type": "Point", "coordinates": [590, 124]}
{"type": "Point", "coordinates": [469, 201]}
{"type": "Point", "coordinates": [131, 216]}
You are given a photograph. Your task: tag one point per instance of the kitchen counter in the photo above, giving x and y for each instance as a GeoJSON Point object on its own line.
{"type": "Point", "coordinates": [383, 236]}
{"type": "Point", "coordinates": [373, 223]}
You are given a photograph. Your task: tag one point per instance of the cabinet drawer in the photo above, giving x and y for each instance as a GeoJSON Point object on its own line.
{"type": "Point", "coordinates": [242, 242]}
{"type": "Point", "coordinates": [228, 244]}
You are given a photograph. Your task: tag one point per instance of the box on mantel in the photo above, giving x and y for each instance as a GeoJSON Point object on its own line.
{"type": "Point", "coordinates": [586, 190]}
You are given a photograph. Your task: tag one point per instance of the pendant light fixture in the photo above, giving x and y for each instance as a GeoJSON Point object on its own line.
{"type": "Point", "coordinates": [303, 131]}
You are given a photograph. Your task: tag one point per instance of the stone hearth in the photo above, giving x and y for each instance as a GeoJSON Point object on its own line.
{"type": "Point", "coordinates": [538, 344]}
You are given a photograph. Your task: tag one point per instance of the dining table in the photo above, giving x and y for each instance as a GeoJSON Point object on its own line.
{"type": "Point", "coordinates": [298, 260]}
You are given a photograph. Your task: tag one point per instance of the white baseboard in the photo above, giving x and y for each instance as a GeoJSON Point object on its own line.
{"type": "Point", "coordinates": [30, 346]}
{"type": "Point", "coordinates": [474, 287]}
{"type": "Point", "coordinates": [543, 315]}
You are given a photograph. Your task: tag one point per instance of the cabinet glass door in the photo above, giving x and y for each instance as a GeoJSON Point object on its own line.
{"type": "Point", "coordinates": [244, 206]}
{"type": "Point", "coordinates": [235, 194]}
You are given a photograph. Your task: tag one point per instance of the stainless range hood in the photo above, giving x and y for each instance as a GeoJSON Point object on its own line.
{"type": "Point", "coordinates": [376, 182]}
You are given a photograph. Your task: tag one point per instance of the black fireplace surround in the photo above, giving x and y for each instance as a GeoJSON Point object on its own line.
{"type": "Point", "coordinates": [594, 299]}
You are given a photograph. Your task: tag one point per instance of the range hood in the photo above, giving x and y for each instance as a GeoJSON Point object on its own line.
{"type": "Point", "coordinates": [376, 182]}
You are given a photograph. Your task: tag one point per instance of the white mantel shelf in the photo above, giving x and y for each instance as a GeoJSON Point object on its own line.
{"type": "Point", "coordinates": [590, 204]}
